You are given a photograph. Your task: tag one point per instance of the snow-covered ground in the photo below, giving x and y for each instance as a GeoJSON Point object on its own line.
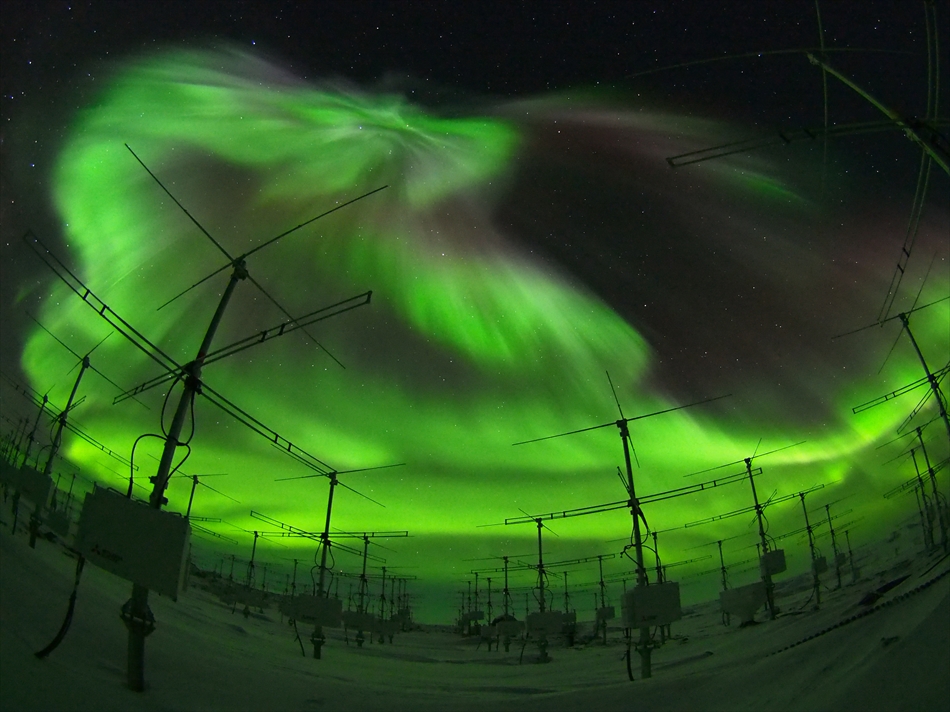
{"type": "Point", "coordinates": [204, 657]}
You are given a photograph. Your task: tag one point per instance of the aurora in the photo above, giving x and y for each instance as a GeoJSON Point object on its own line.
{"type": "Point", "coordinates": [518, 255]}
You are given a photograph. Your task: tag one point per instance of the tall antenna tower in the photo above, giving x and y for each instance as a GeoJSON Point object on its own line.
{"type": "Point", "coordinates": [644, 645]}
{"type": "Point", "coordinates": [136, 614]}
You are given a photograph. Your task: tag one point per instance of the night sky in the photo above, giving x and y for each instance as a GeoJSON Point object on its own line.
{"type": "Point", "coordinates": [533, 237]}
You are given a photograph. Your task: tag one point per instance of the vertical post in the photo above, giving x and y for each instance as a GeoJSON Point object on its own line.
{"type": "Point", "coordinates": [476, 591]}
{"type": "Point", "coordinates": [854, 573]}
{"type": "Point", "coordinates": [16, 440]}
{"type": "Point", "coordinates": [766, 575]}
{"type": "Point", "coordinates": [928, 509]}
{"type": "Point", "coordinates": [382, 606]}
{"type": "Point", "coordinates": [726, 620]}
{"type": "Point", "coordinates": [816, 582]}
{"type": "Point", "coordinates": [249, 577]}
{"type": "Point", "coordinates": [317, 638]}
{"type": "Point", "coordinates": [191, 498]}
{"type": "Point", "coordinates": [540, 569]}
{"type": "Point", "coordinates": [567, 608]}
{"type": "Point", "coordinates": [69, 495]}
{"type": "Point", "coordinates": [931, 379]}
{"type": "Point", "coordinates": [644, 645]}
{"type": "Point", "coordinates": [31, 438]}
{"type": "Point", "coordinates": [54, 448]}
{"type": "Point", "coordinates": [364, 584]}
{"type": "Point", "coordinates": [834, 544]}
{"type": "Point", "coordinates": [135, 612]}
{"type": "Point", "coordinates": [603, 598]}
{"type": "Point", "coordinates": [507, 595]}
{"type": "Point", "coordinates": [938, 503]}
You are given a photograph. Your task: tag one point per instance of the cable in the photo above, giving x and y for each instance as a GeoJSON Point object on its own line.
{"type": "Point", "coordinates": [297, 638]}
{"type": "Point", "coordinates": [628, 656]}
{"type": "Point", "coordinates": [165, 402]}
{"type": "Point", "coordinates": [191, 410]}
{"type": "Point", "coordinates": [187, 455]}
{"type": "Point", "coordinates": [128, 494]}
{"type": "Point", "coordinates": [64, 628]}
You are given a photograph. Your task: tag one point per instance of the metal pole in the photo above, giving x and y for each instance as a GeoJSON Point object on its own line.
{"type": "Point", "coordinates": [57, 441]}
{"type": "Point", "coordinates": [834, 544]}
{"type": "Point", "coordinates": [507, 595]}
{"type": "Point", "coordinates": [540, 569]}
{"type": "Point", "coordinates": [929, 541]}
{"type": "Point", "coordinates": [938, 504]}
{"type": "Point", "coordinates": [931, 379]}
{"type": "Point", "coordinates": [31, 438]}
{"type": "Point", "coordinates": [726, 620]}
{"type": "Point", "coordinates": [854, 573]}
{"type": "Point", "coordinates": [932, 149]}
{"type": "Point", "coordinates": [766, 576]}
{"type": "Point", "coordinates": [191, 498]}
{"type": "Point", "coordinates": [644, 645]}
{"type": "Point", "coordinates": [816, 583]}
{"type": "Point", "coordinates": [317, 637]}
{"type": "Point", "coordinates": [135, 613]}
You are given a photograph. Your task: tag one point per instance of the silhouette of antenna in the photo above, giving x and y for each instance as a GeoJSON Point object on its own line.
{"type": "Point", "coordinates": [195, 481]}
{"type": "Point", "coordinates": [927, 132]}
{"type": "Point", "coordinates": [723, 571]}
{"type": "Point", "coordinates": [34, 483]}
{"type": "Point", "coordinates": [234, 262]}
{"type": "Point", "coordinates": [81, 359]}
{"type": "Point", "coordinates": [931, 377]}
{"type": "Point", "coordinates": [318, 638]}
{"type": "Point", "coordinates": [644, 645]}
{"type": "Point", "coordinates": [785, 137]}
{"type": "Point", "coordinates": [361, 620]}
{"type": "Point", "coordinates": [546, 621]}
{"type": "Point", "coordinates": [772, 562]}
{"type": "Point", "coordinates": [137, 617]}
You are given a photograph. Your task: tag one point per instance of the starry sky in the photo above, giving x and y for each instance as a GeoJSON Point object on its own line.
{"type": "Point", "coordinates": [532, 238]}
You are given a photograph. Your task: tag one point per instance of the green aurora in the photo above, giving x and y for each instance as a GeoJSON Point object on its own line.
{"type": "Point", "coordinates": [474, 339]}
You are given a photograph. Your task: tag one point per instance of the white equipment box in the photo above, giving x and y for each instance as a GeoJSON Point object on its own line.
{"type": "Point", "coordinates": [323, 611]}
{"type": "Point", "coordinates": [841, 559]}
{"type": "Point", "coordinates": [510, 628]}
{"type": "Point", "coordinates": [387, 627]}
{"type": "Point", "coordinates": [772, 562]}
{"type": "Point", "coordinates": [134, 541]}
{"type": "Point", "coordinates": [743, 601]}
{"type": "Point", "coordinates": [549, 622]}
{"type": "Point", "coordinates": [58, 522]}
{"type": "Point", "coordinates": [354, 620]}
{"type": "Point", "coordinates": [819, 565]}
{"type": "Point", "coordinates": [605, 614]}
{"type": "Point", "coordinates": [34, 486]}
{"type": "Point", "coordinates": [9, 474]}
{"type": "Point", "coordinates": [646, 606]}
{"type": "Point", "coordinates": [250, 597]}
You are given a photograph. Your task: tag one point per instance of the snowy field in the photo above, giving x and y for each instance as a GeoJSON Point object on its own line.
{"type": "Point", "coordinates": [204, 657]}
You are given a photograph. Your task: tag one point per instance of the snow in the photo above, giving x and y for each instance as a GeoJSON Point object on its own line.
{"type": "Point", "coordinates": [204, 657]}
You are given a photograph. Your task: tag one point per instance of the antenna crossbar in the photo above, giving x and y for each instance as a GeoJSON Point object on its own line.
{"type": "Point", "coordinates": [563, 514]}
{"type": "Point", "coordinates": [939, 374]}
{"type": "Point", "coordinates": [285, 327]}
